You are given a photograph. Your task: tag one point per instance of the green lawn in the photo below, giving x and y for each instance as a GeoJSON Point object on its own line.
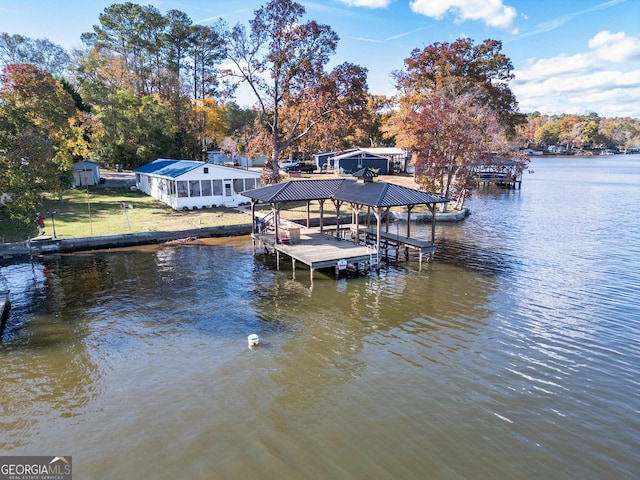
{"type": "Point", "coordinates": [99, 213]}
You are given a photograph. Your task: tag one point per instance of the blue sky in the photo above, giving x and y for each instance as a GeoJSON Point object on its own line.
{"type": "Point", "coordinates": [569, 56]}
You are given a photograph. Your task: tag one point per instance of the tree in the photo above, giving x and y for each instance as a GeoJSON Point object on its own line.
{"type": "Point", "coordinates": [380, 110]}
{"type": "Point", "coordinates": [207, 49]}
{"type": "Point", "coordinates": [41, 52]}
{"type": "Point", "coordinates": [134, 33]}
{"type": "Point", "coordinates": [548, 134]}
{"type": "Point", "coordinates": [448, 137]}
{"type": "Point", "coordinates": [42, 133]}
{"type": "Point", "coordinates": [212, 122]}
{"type": "Point", "coordinates": [571, 131]}
{"type": "Point", "coordinates": [138, 50]}
{"type": "Point", "coordinates": [282, 60]}
{"type": "Point", "coordinates": [455, 110]}
{"type": "Point", "coordinates": [241, 126]}
{"type": "Point", "coordinates": [620, 132]}
{"type": "Point", "coordinates": [591, 128]}
{"type": "Point", "coordinates": [341, 102]}
{"type": "Point", "coordinates": [132, 130]}
{"type": "Point", "coordinates": [458, 67]}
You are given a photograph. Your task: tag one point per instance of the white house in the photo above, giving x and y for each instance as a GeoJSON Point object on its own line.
{"type": "Point", "coordinates": [86, 173]}
{"type": "Point", "coordinates": [192, 184]}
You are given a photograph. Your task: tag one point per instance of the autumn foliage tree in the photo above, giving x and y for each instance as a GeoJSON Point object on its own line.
{"type": "Point", "coordinates": [442, 131]}
{"type": "Point", "coordinates": [455, 111]}
{"type": "Point", "coordinates": [283, 60]}
{"type": "Point", "coordinates": [344, 102]}
{"type": "Point", "coordinates": [41, 134]}
{"type": "Point", "coordinates": [461, 67]}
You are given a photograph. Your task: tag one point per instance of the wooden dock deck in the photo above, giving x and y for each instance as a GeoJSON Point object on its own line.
{"type": "Point", "coordinates": [317, 250]}
{"type": "Point", "coordinates": [328, 250]}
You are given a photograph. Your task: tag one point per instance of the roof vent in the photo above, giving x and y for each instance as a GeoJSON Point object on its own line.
{"type": "Point", "coordinates": [365, 175]}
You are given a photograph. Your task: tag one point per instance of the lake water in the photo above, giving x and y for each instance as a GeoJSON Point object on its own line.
{"type": "Point", "coordinates": [515, 354]}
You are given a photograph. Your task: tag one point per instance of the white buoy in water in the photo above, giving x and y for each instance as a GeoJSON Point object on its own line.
{"type": "Point", "coordinates": [253, 340]}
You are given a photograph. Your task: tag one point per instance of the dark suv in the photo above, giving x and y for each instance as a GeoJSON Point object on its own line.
{"type": "Point", "coordinates": [299, 167]}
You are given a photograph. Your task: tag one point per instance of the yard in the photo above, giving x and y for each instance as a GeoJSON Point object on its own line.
{"type": "Point", "coordinates": [108, 211]}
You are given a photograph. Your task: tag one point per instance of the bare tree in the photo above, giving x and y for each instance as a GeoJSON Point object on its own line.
{"type": "Point", "coordinates": [282, 60]}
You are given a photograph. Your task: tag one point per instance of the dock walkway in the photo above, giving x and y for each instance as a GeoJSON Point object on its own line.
{"type": "Point", "coordinates": [397, 241]}
{"type": "Point", "coordinates": [367, 236]}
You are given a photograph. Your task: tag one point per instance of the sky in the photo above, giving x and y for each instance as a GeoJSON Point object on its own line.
{"type": "Point", "coordinates": [569, 56]}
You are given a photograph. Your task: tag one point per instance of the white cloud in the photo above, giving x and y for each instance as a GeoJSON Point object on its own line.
{"type": "Point", "coordinates": [549, 67]}
{"type": "Point", "coordinates": [606, 48]}
{"type": "Point", "coordinates": [615, 47]}
{"type": "Point", "coordinates": [493, 12]}
{"type": "Point", "coordinates": [367, 3]}
{"type": "Point", "coordinates": [605, 79]}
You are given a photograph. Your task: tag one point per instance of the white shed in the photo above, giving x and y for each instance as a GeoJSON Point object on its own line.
{"type": "Point", "coordinates": [192, 184]}
{"type": "Point", "coordinates": [86, 173]}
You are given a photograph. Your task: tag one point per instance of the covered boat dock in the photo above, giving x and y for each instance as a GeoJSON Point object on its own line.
{"type": "Point", "coordinates": [341, 246]}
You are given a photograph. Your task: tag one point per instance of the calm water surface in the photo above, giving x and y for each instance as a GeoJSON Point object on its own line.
{"type": "Point", "coordinates": [514, 355]}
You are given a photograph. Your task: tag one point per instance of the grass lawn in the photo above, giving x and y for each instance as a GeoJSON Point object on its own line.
{"type": "Point", "coordinates": [99, 212]}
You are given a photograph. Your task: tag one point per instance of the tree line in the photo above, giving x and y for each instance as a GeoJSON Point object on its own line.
{"type": "Point", "coordinates": [147, 85]}
{"type": "Point", "coordinates": [581, 133]}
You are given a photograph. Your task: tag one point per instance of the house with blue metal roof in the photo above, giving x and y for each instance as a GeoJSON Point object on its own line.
{"type": "Point", "coordinates": [189, 184]}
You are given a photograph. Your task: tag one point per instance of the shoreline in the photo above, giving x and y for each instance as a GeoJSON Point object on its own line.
{"type": "Point", "coordinates": [105, 242]}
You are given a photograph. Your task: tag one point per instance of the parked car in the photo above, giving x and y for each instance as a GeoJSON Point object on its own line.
{"type": "Point", "coordinates": [298, 167]}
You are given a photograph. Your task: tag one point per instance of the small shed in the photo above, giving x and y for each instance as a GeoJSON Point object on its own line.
{"type": "Point", "coordinates": [189, 184]}
{"type": "Point", "coordinates": [86, 173]}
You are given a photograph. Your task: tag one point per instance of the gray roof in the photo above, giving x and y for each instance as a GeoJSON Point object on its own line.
{"type": "Point", "coordinates": [375, 194]}
{"type": "Point", "coordinates": [383, 194]}
{"type": "Point", "coordinates": [365, 173]}
{"type": "Point", "coordinates": [295, 190]}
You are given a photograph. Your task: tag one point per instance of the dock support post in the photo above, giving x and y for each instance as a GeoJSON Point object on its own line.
{"type": "Point", "coordinates": [277, 259]}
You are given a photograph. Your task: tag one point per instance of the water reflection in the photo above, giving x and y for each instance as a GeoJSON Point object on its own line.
{"type": "Point", "coordinates": [47, 370]}
{"type": "Point", "coordinates": [411, 315]}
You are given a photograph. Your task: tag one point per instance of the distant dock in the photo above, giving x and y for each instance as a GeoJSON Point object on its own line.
{"type": "Point", "coordinates": [500, 179]}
